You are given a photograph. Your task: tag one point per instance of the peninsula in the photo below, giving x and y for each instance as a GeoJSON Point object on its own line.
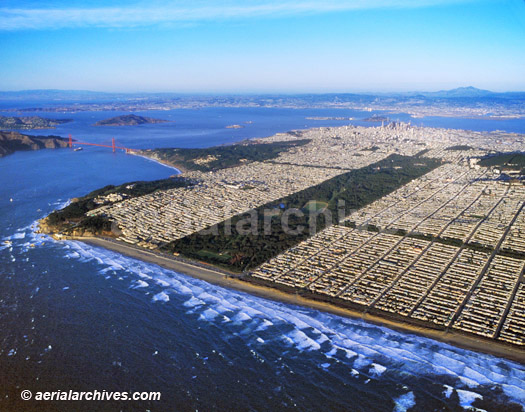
{"type": "Point", "coordinates": [387, 223]}
{"type": "Point", "coordinates": [30, 122]}
{"type": "Point", "coordinates": [11, 142]}
{"type": "Point", "coordinates": [129, 120]}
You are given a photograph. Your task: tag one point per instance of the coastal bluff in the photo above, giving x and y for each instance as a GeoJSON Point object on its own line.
{"type": "Point", "coordinates": [11, 142]}
{"type": "Point", "coordinates": [30, 122]}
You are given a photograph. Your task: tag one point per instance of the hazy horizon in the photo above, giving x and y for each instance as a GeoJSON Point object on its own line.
{"type": "Point", "coordinates": [248, 93]}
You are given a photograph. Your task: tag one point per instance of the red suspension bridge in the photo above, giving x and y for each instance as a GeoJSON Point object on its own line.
{"type": "Point", "coordinates": [113, 145]}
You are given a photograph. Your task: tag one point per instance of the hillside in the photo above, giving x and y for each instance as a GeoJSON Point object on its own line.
{"type": "Point", "coordinates": [128, 120]}
{"type": "Point", "coordinates": [11, 142]}
{"type": "Point", "coordinates": [30, 122]}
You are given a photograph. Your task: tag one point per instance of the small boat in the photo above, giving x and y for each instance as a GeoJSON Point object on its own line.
{"type": "Point", "coordinates": [78, 149]}
{"type": "Point", "coordinates": [8, 242]}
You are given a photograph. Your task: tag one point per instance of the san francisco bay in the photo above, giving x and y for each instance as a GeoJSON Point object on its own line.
{"type": "Point", "coordinates": [79, 317]}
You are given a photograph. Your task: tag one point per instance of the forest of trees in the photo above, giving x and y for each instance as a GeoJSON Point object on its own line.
{"type": "Point", "coordinates": [224, 156]}
{"type": "Point", "coordinates": [513, 160]}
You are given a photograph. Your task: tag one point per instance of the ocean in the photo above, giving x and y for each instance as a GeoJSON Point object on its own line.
{"type": "Point", "coordinates": [77, 317]}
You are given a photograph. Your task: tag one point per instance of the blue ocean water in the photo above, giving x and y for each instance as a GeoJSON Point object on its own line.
{"type": "Point", "coordinates": [77, 317]}
{"type": "Point", "coordinates": [193, 127]}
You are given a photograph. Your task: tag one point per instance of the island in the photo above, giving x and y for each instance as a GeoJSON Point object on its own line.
{"type": "Point", "coordinates": [383, 223]}
{"type": "Point", "coordinates": [376, 118]}
{"type": "Point", "coordinates": [30, 122]}
{"type": "Point", "coordinates": [129, 120]}
{"type": "Point", "coordinates": [11, 142]}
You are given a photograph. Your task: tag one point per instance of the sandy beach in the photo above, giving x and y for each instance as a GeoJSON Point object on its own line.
{"type": "Point", "coordinates": [223, 278]}
{"type": "Point", "coordinates": [178, 169]}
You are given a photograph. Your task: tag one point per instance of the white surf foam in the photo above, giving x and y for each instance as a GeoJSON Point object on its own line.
{"type": "Point", "coordinates": [302, 341]}
{"type": "Point", "coordinates": [377, 369]}
{"type": "Point", "coordinates": [405, 402]}
{"type": "Point", "coordinates": [265, 324]}
{"type": "Point", "coordinates": [241, 317]}
{"type": "Point", "coordinates": [17, 235]}
{"type": "Point", "coordinates": [141, 284]}
{"type": "Point", "coordinates": [357, 343]}
{"type": "Point", "coordinates": [466, 398]}
{"type": "Point", "coordinates": [448, 391]}
{"type": "Point", "coordinates": [162, 296]}
{"type": "Point", "coordinates": [193, 302]}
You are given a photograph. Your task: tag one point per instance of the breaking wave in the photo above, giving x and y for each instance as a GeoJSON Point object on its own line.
{"type": "Point", "coordinates": [368, 351]}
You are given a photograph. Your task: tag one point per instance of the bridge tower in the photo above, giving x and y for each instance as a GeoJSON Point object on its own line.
{"type": "Point", "coordinates": [113, 144]}
{"type": "Point", "coordinates": [70, 142]}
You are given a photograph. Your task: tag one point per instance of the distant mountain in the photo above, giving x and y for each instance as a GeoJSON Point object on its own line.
{"type": "Point", "coordinates": [80, 100]}
{"type": "Point", "coordinates": [56, 94]}
{"type": "Point", "coordinates": [128, 120]}
{"type": "Point", "coordinates": [461, 92]}
{"type": "Point", "coordinates": [468, 93]}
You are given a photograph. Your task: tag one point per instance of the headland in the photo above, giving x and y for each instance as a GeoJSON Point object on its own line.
{"type": "Point", "coordinates": [30, 122]}
{"type": "Point", "coordinates": [11, 142]}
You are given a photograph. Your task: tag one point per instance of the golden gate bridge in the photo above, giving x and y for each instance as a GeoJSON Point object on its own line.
{"type": "Point", "coordinates": [113, 145]}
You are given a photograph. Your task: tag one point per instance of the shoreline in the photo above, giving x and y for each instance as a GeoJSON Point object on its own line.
{"type": "Point", "coordinates": [178, 169]}
{"type": "Point", "coordinates": [233, 281]}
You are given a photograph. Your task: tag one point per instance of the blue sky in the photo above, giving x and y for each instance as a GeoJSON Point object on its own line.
{"type": "Point", "coordinates": [262, 45]}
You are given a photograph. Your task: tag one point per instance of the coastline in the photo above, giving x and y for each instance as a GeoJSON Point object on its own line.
{"type": "Point", "coordinates": [26, 143]}
{"type": "Point", "coordinates": [179, 169]}
{"type": "Point", "coordinates": [223, 278]}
